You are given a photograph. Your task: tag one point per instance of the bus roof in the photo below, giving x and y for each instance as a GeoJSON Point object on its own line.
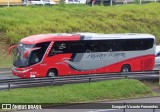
{"type": "Point", "coordinates": [80, 36]}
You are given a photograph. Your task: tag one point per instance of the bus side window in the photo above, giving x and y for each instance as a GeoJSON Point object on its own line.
{"type": "Point", "coordinates": [101, 46]}
{"type": "Point", "coordinates": [76, 47]}
{"type": "Point", "coordinates": [53, 50]}
{"type": "Point", "coordinates": [57, 48]}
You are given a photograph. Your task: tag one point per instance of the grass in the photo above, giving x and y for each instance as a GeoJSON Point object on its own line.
{"type": "Point", "coordinates": [74, 93]}
{"type": "Point", "coordinates": [5, 58]}
{"type": "Point", "coordinates": [19, 22]}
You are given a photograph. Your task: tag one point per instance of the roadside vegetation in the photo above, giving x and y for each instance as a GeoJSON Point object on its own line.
{"type": "Point", "coordinates": [19, 22]}
{"type": "Point", "coordinates": [153, 85]}
{"type": "Point", "coordinates": [83, 92]}
{"type": "Point", "coordinates": [5, 58]}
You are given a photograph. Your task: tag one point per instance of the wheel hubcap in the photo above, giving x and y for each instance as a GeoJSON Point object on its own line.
{"type": "Point", "coordinates": [51, 74]}
{"type": "Point", "coordinates": [125, 69]}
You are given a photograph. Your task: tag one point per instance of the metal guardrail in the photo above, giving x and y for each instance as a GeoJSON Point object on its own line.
{"type": "Point", "coordinates": [75, 78]}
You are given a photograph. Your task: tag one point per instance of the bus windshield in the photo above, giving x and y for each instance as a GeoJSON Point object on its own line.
{"type": "Point", "coordinates": [35, 56]}
{"type": "Point", "coordinates": [19, 60]}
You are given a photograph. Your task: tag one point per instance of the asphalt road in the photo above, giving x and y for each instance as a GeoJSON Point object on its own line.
{"type": "Point", "coordinates": [5, 73]}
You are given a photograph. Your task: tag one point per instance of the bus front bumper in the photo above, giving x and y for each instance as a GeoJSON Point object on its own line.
{"type": "Point", "coordinates": [23, 73]}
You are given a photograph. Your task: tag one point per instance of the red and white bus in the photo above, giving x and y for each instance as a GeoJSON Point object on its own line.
{"type": "Point", "coordinates": [83, 53]}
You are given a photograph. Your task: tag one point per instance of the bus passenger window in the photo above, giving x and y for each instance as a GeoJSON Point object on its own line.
{"type": "Point", "coordinates": [58, 47]}
{"type": "Point", "coordinates": [52, 52]}
{"type": "Point", "coordinates": [62, 46]}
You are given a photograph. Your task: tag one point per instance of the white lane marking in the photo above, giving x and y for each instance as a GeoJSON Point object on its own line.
{"type": "Point", "coordinates": [104, 110]}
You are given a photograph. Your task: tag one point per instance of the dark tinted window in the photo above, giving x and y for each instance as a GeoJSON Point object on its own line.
{"type": "Point", "coordinates": [133, 44]}
{"type": "Point", "coordinates": [101, 46]}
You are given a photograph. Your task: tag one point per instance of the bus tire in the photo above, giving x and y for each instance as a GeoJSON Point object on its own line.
{"type": "Point", "coordinates": [51, 73]}
{"type": "Point", "coordinates": [126, 68]}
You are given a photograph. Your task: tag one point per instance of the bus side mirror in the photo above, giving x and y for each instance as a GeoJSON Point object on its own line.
{"type": "Point", "coordinates": [10, 48]}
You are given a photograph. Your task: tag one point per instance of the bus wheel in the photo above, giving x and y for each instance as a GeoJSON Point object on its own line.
{"type": "Point", "coordinates": [51, 73]}
{"type": "Point", "coordinates": [126, 68]}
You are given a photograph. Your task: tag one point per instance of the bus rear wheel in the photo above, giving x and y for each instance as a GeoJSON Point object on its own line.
{"type": "Point", "coordinates": [126, 68]}
{"type": "Point", "coordinates": [51, 73]}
